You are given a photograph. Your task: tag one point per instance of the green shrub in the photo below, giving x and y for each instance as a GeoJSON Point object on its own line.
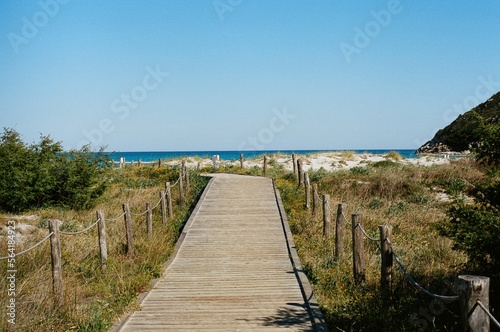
{"type": "Point", "coordinates": [43, 175]}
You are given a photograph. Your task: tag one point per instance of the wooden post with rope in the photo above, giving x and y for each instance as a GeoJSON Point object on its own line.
{"type": "Point", "coordinates": [181, 192]}
{"type": "Point", "coordinates": [101, 235]}
{"type": "Point", "coordinates": [55, 254]}
{"type": "Point", "coordinates": [315, 199]}
{"type": "Point", "coordinates": [358, 249]}
{"type": "Point", "coordinates": [300, 174]}
{"type": "Point", "coordinates": [149, 220]}
{"type": "Point", "coordinates": [339, 232]}
{"type": "Point", "coordinates": [327, 225]}
{"type": "Point", "coordinates": [163, 206]}
{"type": "Point", "coordinates": [128, 229]}
{"type": "Point", "coordinates": [387, 260]}
{"type": "Point", "coordinates": [471, 290]}
{"type": "Point", "coordinates": [168, 196]}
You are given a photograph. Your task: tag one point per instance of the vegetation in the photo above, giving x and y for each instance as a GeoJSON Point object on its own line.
{"type": "Point", "coordinates": [93, 300]}
{"type": "Point", "coordinates": [463, 133]}
{"type": "Point", "coordinates": [432, 210]}
{"type": "Point", "coordinates": [43, 175]}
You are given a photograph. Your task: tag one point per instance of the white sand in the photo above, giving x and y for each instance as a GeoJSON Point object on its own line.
{"type": "Point", "coordinates": [330, 161]}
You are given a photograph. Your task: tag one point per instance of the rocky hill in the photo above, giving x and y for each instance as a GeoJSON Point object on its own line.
{"type": "Point", "coordinates": [462, 133]}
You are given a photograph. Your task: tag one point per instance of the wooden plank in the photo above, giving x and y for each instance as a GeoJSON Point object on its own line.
{"type": "Point", "coordinates": [232, 270]}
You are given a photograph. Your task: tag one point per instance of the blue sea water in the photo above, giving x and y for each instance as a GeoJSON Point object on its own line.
{"type": "Point", "coordinates": [233, 155]}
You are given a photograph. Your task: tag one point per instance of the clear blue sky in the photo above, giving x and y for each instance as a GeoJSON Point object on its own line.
{"type": "Point", "coordinates": [244, 74]}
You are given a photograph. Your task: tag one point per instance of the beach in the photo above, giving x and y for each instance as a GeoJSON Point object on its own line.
{"type": "Point", "coordinates": [329, 161]}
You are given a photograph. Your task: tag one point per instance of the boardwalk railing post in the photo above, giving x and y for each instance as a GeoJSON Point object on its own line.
{"type": "Point", "coordinates": [163, 207]}
{"type": "Point", "coordinates": [387, 260]}
{"type": "Point", "coordinates": [168, 195]}
{"type": "Point", "coordinates": [473, 289]}
{"type": "Point", "coordinates": [55, 253]}
{"type": "Point", "coordinates": [128, 229]}
{"type": "Point", "coordinates": [315, 202]}
{"type": "Point", "coordinates": [294, 161]}
{"type": "Point", "coordinates": [101, 234]}
{"type": "Point", "coordinates": [308, 190]}
{"type": "Point", "coordinates": [188, 185]}
{"type": "Point", "coordinates": [300, 174]}
{"type": "Point", "coordinates": [358, 249]}
{"type": "Point", "coordinates": [327, 225]}
{"type": "Point", "coordinates": [149, 220]}
{"type": "Point", "coordinates": [181, 192]}
{"type": "Point", "coordinates": [339, 233]}
{"type": "Point", "coordinates": [265, 166]}
{"type": "Point", "coordinates": [241, 160]}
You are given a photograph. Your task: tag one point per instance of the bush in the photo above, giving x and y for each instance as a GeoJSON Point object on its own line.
{"type": "Point", "coordinates": [43, 175]}
{"type": "Point", "coordinates": [475, 231]}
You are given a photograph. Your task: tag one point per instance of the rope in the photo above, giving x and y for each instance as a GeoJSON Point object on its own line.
{"type": "Point", "coordinates": [415, 284]}
{"type": "Point", "coordinates": [173, 185]}
{"type": "Point", "coordinates": [330, 209]}
{"type": "Point", "coordinates": [138, 214]}
{"type": "Point", "coordinates": [347, 220]}
{"type": "Point", "coordinates": [115, 219]}
{"type": "Point", "coordinates": [365, 234]}
{"type": "Point", "coordinates": [82, 231]}
{"type": "Point", "coordinates": [154, 207]}
{"type": "Point", "coordinates": [26, 250]}
{"type": "Point", "coordinates": [488, 313]}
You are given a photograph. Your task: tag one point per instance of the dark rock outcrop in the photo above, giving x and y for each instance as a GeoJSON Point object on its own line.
{"type": "Point", "coordinates": [461, 135]}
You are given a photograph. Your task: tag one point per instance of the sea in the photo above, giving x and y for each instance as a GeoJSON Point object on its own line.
{"type": "Point", "coordinates": [151, 156]}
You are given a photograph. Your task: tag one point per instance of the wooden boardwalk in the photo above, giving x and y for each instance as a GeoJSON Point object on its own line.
{"type": "Point", "coordinates": [232, 269]}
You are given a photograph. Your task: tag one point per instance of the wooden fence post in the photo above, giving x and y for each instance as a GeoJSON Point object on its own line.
{"type": "Point", "coordinates": [181, 192]}
{"type": "Point", "coordinates": [308, 190]}
{"type": "Point", "coordinates": [55, 254]}
{"type": "Point", "coordinates": [101, 234]}
{"type": "Point", "coordinates": [162, 207]}
{"type": "Point", "coordinates": [265, 166]}
{"type": "Point", "coordinates": [241, 160]}
{"type": "Point", "coordinates": [294, 161]}
{"type": "Point", "coordinates": [159, 162]}
{"type": "Point", "coordinates": [473, 289]}
{"type": "Point", "coordinates": [327, 225]}
{"type": "Point", "coordinates": [300, 174]}
{"type": "Point", "coordinates": [168, 195]}
{"type": "Point", "coordinates": [188, 185]}
{"type": "Point", "coordinates": [339, 233]}
{"type": "Point", "coordinates": [387, 260]}
{"type": "Point", "coordinates": [128, 229]}
{"type": "Point", "coordinates": [358, 249]}
{"type": "Point", "coordinates": [149, 220]}
{"type": "Point", "coordinates": [315, 202]}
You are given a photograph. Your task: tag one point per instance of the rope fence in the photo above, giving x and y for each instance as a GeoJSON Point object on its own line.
{"type": "Point", "coordinates": [29, 249]}
{"type": "Point", "coordinates": [493, 319]}
{"type": "Point", "coordinates": [164, 202]}
{"type": "Point", "coordinates": [474, 313]}
{"type": "Point", "coordinates": [82, 231]}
